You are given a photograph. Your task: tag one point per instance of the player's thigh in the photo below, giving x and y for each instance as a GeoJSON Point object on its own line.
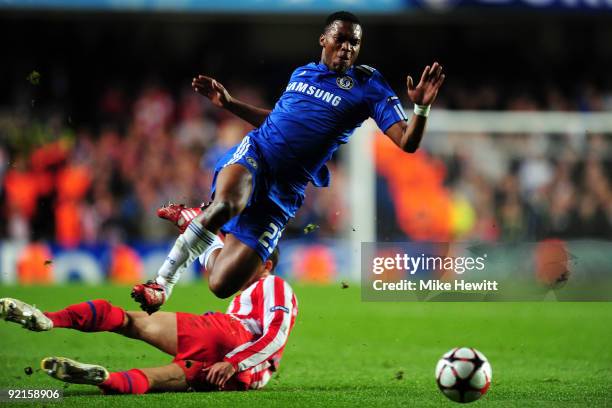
{"type": "Point", "coordinates": [158, 329]}
{"type": "Point", "coordinates": [237, 174]}
{"type": "Point", "coordinates": [166, 378]}
{"type": "Point", "coordinates": [233, 267]}
{"type": "Point", "coordinates": [234, 184]}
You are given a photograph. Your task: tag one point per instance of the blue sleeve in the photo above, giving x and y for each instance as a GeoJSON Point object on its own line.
{"type": "Point", "coordinates": [383, 104]}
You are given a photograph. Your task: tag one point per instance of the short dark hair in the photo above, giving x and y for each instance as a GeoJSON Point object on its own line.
{"type": "Point", "coordinates": [274, 257]}
{"type": "Point", "coordinates": [342, 16]}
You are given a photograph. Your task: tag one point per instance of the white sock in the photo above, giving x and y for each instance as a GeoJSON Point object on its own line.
{"type": "Point", "coordinates": [168, 283]}
{"type": "Point", "coordinates": [188, 246]}
{"type": "Point", "coordinates": [208, 252]}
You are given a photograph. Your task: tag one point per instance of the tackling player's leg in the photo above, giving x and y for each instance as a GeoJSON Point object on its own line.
{"type": "Point", "coordinates": [175, 377]}
{"type": "Point", "coordinates": [16, 311]}
{"type": "Point", "coordinates": [158, 330]}
{"type": "Point", "coordinates": [135, 381]}
{"type": "Point", "coordinates": [72, 371]}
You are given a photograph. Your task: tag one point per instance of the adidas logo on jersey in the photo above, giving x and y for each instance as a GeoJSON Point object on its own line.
{"type": "Point", "coordinates": [303, 87]}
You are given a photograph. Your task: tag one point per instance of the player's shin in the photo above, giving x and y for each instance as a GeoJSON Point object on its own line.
{"type": "Point", "coordinates": [92, 316]}
{"type": "Point", "coordinates": [195, 241]}
{"type": "Point", "coordinates": [133, 381]}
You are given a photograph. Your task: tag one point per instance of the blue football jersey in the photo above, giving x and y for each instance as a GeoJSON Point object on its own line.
{"type": "Point", "coordinates": [317, 112]}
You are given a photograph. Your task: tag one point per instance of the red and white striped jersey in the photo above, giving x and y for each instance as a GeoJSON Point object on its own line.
{"type": "Point", "coordinates": [267, 309]}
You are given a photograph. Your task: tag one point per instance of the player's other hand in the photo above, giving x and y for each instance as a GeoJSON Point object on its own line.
{"type": "Point", "coordinates": [218, 373]}
{"type": "Point", "coordinates": [212, 89]}
{"type": "Point", "coordinates": [425, 92]}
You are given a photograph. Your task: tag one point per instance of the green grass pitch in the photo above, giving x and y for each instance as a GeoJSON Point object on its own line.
{"type": "Point", "coordinates": [343, 352]}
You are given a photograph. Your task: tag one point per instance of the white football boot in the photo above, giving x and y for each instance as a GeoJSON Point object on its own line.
{"type": "Point", "coordinates": [28, 316]}
{"type": "Point", "coordinates": [71, 371]}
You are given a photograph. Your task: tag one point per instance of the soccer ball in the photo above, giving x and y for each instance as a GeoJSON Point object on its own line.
{"type": "Point", "coordinates": [463, 374]}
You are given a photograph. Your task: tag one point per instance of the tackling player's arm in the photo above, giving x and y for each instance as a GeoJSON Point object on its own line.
{"type": "Point", "coordinates": [278, 311]}
{"type": "Point", "coordinates": [407, 136]}
{"type": "Point", "coordinates": [220, 97]}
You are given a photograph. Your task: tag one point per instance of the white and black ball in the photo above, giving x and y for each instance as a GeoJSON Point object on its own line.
{"type": "Point", "coordinates": [463, 374]}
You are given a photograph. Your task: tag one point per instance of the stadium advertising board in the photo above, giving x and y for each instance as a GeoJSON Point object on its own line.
{"type": "Point", "coordinates": [321, 261]}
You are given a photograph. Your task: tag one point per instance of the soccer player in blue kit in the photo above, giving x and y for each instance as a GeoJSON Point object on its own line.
{"type": "Point", "coordinates": [259, 184]}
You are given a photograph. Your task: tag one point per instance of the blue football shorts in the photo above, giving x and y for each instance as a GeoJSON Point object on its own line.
{"type": "Point", "coordinates": [261, 224]}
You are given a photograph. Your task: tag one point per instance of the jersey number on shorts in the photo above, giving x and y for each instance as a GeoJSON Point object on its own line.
{"type": "Point", "coordinates": [270, 238]}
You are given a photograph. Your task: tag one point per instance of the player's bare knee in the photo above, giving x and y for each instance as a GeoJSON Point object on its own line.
{"type": "Point", "coordinates": [136, 325]}
{"type": "Point", "coordinates": [130, 328]}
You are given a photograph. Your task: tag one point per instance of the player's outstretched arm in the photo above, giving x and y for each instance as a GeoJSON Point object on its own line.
{"type": "Point", "coordinates": [408, 135]}
{"type": "Point", "coordinates": [220, 97]}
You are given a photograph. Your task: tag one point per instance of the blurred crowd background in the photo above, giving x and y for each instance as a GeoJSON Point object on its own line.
{"type": "Point", "coordinates": [99, 126]}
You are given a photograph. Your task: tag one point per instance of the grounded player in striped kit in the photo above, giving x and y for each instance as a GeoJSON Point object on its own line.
{"type": "Point", "coordinates": [267, 309]}
{"type": "Point", "coordinates": [260, 183]}
{"type": "Point", "coordinates": [236, 350]}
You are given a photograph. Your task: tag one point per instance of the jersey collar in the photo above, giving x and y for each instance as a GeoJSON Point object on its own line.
{"type": "Point", "coordinates": [322, 67]}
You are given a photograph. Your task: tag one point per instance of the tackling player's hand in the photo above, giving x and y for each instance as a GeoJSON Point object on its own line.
{"type": "Point", "coordinates": [425, 92]}
{"type": "Point", "coordinates": [218, 373]}
{"type": "Point", "coordinates": [213, 90]}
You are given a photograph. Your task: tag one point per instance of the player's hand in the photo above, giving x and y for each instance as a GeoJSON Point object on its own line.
{"type": "Point", "coordinates": [213, 90]}
{"type": "Point", "coordinates": [218, 373]}
{"type": "Point", "coordinates": [425, 92]}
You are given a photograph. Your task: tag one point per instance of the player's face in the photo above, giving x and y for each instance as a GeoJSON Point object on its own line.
{"type": "Point", "coordinates": [341, 44]}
